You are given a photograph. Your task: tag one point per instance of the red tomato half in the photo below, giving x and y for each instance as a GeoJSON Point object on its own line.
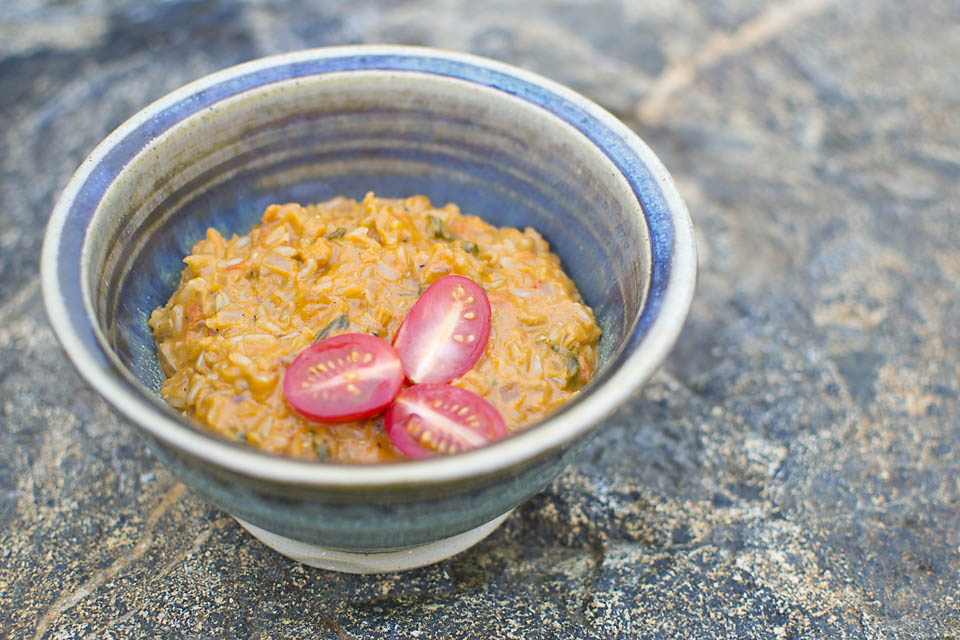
{"type": "Point", "coordinates": [344, 378]}
{"type": "Point", "coordinates": [445, 332]}
{"type": "Point", "coordinates": [430, 419]}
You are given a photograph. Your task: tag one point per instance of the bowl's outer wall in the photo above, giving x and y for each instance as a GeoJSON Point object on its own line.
{"type": "Point", "coordinates": [398, 517]}
{"type": "Point", "coordinates": [295, 130]}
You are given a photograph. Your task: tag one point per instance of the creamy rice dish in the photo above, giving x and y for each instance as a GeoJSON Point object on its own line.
{"type": "Point", "coordinates": [247, 305]}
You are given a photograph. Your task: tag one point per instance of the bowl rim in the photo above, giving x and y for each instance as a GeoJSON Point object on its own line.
{"type": "Point", "coordinates": [658, 327]}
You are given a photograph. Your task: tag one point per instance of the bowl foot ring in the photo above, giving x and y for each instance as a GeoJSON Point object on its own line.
{"type": "Point", "coordinates": [376, 562]}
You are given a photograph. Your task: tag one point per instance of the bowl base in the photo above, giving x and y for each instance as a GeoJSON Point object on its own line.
{"type": "Point", "coordinates": [375, 562]}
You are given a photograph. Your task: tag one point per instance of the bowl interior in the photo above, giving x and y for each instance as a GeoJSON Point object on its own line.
{"type": "Point", "coordinates": [396, 133]}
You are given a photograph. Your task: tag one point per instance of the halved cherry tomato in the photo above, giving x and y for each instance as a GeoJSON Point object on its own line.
{"type": "Point", "coordinates": [445, 332]}
{"type": "Point", "coordinates": [344, 378]}
{"type": "Point", "coordinates": [430, 419]}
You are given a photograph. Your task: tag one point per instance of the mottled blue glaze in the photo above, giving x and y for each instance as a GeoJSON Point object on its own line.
{"type": "Point", "coordinates": [149, 193]}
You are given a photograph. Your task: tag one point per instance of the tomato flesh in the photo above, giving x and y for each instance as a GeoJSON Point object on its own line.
{"type": "Point", "coordinates": [445, 331]}
{"type": "Point", "coordinates": [345, 378]}
{"type": "Point", "coordinates": [433, 419]}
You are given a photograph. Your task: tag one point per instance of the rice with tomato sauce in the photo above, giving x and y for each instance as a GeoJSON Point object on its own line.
{"type": "Point", "coordinates": [246, 306]}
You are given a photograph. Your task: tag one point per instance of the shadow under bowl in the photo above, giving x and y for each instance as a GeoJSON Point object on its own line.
{"type": "Point", "coordinates": [503, 144]}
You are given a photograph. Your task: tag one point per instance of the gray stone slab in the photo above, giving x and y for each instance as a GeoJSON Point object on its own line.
{"type": "Point", "coordinates": [792, 472]}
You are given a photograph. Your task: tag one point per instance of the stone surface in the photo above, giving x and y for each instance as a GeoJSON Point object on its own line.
{"type": "Point", "coordinates": [792, 472]}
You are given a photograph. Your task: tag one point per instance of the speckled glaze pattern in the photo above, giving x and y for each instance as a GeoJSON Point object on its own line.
{"type": "Point", "coordinates": [504, 144]}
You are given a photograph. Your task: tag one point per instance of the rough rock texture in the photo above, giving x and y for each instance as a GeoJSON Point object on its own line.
{"type": "Point", "coordinates": [792, 472]}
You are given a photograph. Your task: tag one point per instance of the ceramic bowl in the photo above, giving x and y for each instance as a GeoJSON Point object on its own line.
{"type": "Point", "coordinates": [503, 143]}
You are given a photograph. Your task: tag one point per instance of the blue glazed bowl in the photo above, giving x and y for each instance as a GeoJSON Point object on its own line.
{"type": "Point", "coordinates": [504, 144]}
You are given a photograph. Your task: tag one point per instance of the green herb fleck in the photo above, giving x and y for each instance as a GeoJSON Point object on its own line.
{"type": "Point", "coordinates": [470, 247]}
{"type": "Point", "coordinates": [335, 235]}
{"type": "Point", "coordinates": [338, 324]}
{"type": "Point", "coordinates": [321, 448]}
{"type": "Point", "coordinates": [437, 230]}
{"type": "Point", "coordinates": [573, 372]}
{"type": "Point", "coordinates": [572, 363]}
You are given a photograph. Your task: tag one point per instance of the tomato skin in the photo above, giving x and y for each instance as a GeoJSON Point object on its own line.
{"type": "Point", "coordinates": [342, 379]}
{"type": "Point", "coordinates": [445, 331]}
{"type": "Point", "coordinates": [433, 419]}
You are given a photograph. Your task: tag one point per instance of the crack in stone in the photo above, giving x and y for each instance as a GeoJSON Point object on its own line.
{"type": "Point", "coordinates": [721, 45]}
{"type": "Point", "coordinates": [198, 542]}
{"type": "Point", "coordinates": [67, 602]}
{"type": "Point", "coordinates": [18, 301]}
